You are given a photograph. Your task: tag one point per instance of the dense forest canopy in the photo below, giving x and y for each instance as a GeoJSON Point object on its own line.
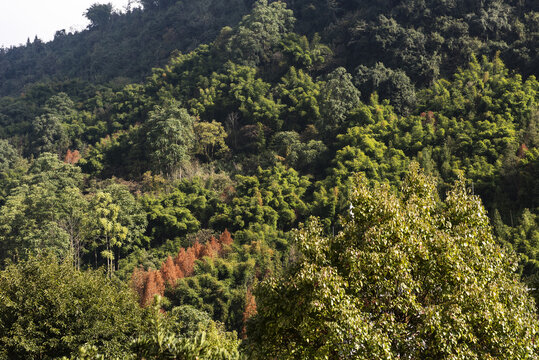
{"type": "Point", "coordinates": [390, 42]}
{"type": "Point", "coordinates": [273, 179]}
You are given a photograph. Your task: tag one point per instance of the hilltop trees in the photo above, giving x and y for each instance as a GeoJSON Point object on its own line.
{"type": "Point", "coordinates": [260, 31]}
{"type": "Point", "coordinates": [408, 277]}
{"type": "Point", "coordinates": [99, 14]}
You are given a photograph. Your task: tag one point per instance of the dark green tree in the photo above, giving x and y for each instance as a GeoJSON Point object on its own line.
{"type": "Point", "coordinates": [390, 84]}
{"type": "Point", "coordinates": [260, 31]}
{"type": "Point", "coordinates": [305, 156]}
{"type": "Point", "coordinates": [170, 215]}
{"type": "Point", "coordinates": [49, 135]}
{"type": "Point", "coordinates": [338, 96]}
{"type": "Point", "coordinates": [99, 14]}
{"type": "Point", "coordinates": [170, 138]}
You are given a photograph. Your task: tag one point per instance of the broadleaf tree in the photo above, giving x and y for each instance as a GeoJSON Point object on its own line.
{"type": "Point", "coordinates": [409, 277]}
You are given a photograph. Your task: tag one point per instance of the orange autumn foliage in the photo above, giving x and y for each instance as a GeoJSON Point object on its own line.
{"type": "Point", "coordinates": [170, 271]}
{"type": "Point", "coordinates": [250, 310]}
{"type": "Point", "coordinates": [154, 285]}
{"type": "Point", "coordinates": [186, 261]}
{"type": "Point", "coordinates": [197, 249]}
{"type": "Point", "coordinates": [522, 150]}
{"type": "Point", "coordinates": [72, 157]}
{"type": "Point", "coordinates": [212, 248]}
{"type": "Point", "coordinates": [149, 283]}
{"type": "Point", "coordinates": [226, 238]}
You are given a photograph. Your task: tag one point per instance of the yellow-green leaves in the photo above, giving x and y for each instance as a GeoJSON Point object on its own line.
{"type": "Point", "coordinates": [409, 276]}
{"type": "Point", "coordinates": [48, 309]}
{"type": "Point", "coordinates": [106, 227]}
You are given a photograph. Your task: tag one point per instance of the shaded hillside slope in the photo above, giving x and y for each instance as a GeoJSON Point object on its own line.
{"type": "Point", "coordinates": [416, 41]}
{"type": "Point", "coordinates": [124, 48]}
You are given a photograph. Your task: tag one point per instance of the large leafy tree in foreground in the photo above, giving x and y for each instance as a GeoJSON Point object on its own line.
{"type": "Point", "coordinates": [49, 309]}
{"type": "Point", "coordinates": [409, 276]}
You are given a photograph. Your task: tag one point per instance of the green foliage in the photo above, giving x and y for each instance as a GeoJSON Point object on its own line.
{"type": "Point", "coordinates": [49, 136]}
{"type": "Point", "coordinates": [208, 341]}
{"type": "Point", "coordinates": [51, 131]}
{"type": "Point", "coordinates": [8, 156]}
{"type": "Point", "coordinates": [171, 215]}
{"type": "Point", "coordinates": [125, 153]}
{"type": "Point", "coordinates": [300, 93]}
{"type": "Point", "coordinates": [37, 213]}
{"type": "Point", "coordinates": [131, 214]}
{"type": "Point", "coordinates": [205, 292]}
{"type": "Point", "coordinates": [291, 117]}
{"type": "Point", "coordinates": [283, 190]}
{"type": "Point", "coordinates": [260, 31]}
{"type": "Point", "coordinates": [120, 47]}
{"type": "Point", "coordinates": [523, 238]}
{"type": "Point", "coordinates": [304, 54]}
{"type": "Point", "coordinates": [86, 352]}
{"type": "Point", "coordinates": [107, 231]}
{"type": "Point", "coordinates": [170, 138]}
{"type": "Point", "coordinates": [467, 124]}
{"type": "Point", "coordinates": [273, 197]}
{"type": "Point", "coordinates": [367, 147]}
{"type": "Point", "coordinates": [338, 96]}
{"type": "Point", "coordinates": [246, 207]}
{"type": "Point", "coordinates": [409, 276]}
{"type": "Point", "coordinates": [114, 227]}
{"type": "Point", "coordinates": [99, 14]}
{"type": "Point", "coordinates": [389, 84]}
{"type": "Point", "coordinates": [31, 221]}
{"type": "Point", "coordinates": [12, 166]}
{"type": "Point", "coordinates": [238, 89]}
{"type": "Point", "coordinates": [400, 45]}
{"type": "Point", "coordinates": [47, 168]}
{"type": "Point", "coordinates": [210, 139]}
{"type": "Point", "coordinates": [304, 156]}
{"type": "Point", "coordinates": [49, 310]}
{"type": "Point", "coordinates": [477, 116]}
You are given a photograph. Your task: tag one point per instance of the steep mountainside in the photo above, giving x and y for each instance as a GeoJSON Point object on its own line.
{"type": "Point", "coordinates": [366, 170]}
{"type": "Point", "coordinates": [122, 47]}
{"type": "Point", "coordinates": [423, 39]}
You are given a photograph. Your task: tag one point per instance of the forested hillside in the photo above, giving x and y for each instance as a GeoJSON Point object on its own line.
{"type": "Point", "coordinates": [118, 47]}
{"type": "Point", "coordinates": [292, 180]}
{"type": "Point", "coordinates": [422, 39]}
